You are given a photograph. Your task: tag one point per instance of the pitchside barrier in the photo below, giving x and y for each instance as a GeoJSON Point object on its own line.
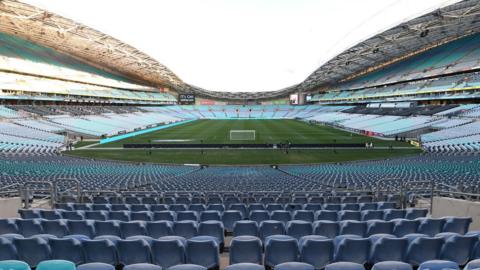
{"type": "Point", "coordinates": [238, 145]}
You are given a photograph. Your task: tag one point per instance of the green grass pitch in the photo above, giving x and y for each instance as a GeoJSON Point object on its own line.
{"type": "Point", "coordinates": [267, 131]}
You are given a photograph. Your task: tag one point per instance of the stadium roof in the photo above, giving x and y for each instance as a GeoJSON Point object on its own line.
{"type": "Point", "coordinates": [51, 30]}
{"type": "Point", "coordinates": [429, 30]}
{"type": "Point", "coordinates": [80, 41]}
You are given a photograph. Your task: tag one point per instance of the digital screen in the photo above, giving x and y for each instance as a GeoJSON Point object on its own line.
{"type": "Point", "coordinates": [294, 99]}
{"type": "Point", "coordinates": [186, 98]}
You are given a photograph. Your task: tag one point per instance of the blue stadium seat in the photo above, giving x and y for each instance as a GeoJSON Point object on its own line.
{"type": "Point", "coordinates": [81, 227]}
{"type": "Point", "coordinates": [299, 228]}
{"type": "Point", "coordinates": [388, 249]}
{"type": "Point", "coordinates": [132, 228]}
{"type": "Point", "coordinates": [316, 250]}
{"type": "Point", "coordinates": [438, 265]}
{"type": "Point", "coordinates": [326, 215]}
{"type": "Point", "coordinates": [51, 214]}
{"type": "Point", "coordinates": [414, 213]}
{"type": "Point", "coordinates": [32, 250]}
{"type": "Point", "coordinates": [294, 266]}
{"type": "Point", "coordinates": [353, 250]}
{"type": "Point", "coordinates": [186, 228]}
{"type": "Point", "coordinates": [197, 207]}
{"type": "Point", "coordinates": [95, 266]}
{"type": "Point", "coordinates": [353, 227]}
{"type": "Point", "coordinates": [156, 229]}
{"type": "Point", "coordinates": [141, 216]}
{"type": "Point", "coordinates": [271, 227]}
{"type": "Point", "coordinates": [246, 249]}
{"type": "Point", "coordinates": [133, 251]}
{"type": "Point", "coordinates": [344, 266]}
{"type": "Point", "coordinates": [168, 251]}
{"type": "Point", "coordinates": [119, 215]}
{"type": "Point", "coordinates": [187, 267]}
{"type": "Point", "coordinates": [239, 207]}
{"type": "Point", "coordinates": [389, 214]}
{"type": "Point", "coordinates": [305, 215]}
{"type": "Point", "coordinates": [431, 226]}
{"type": "Point", "coordinates": [475, 264]}
{"type": "Point", "coordinates": [187, 215]}
{"type": "Point", "coordinates": [56, 265]}
{"type": "Point", "coordinates": [73, 215]}
{"type": "Point", "coordinates": [281, 215]}
{"type": "Point", "coordinates": [119, 207]}
{"type": "Point", "coordinates": [112, 238]}
{"type": "Point", "coordinates": [13, 265]}
{"type": "Point", "coordinates": [67, 249]}
{"type": "Point", "coordinates": [372, 214]}
{"type": "Point", "coordinates": [29, 227]}
{"type": "Point", "coordinates": [158, 207]}
{"type": "Point", "coordinates": [280, 249]}
{"type": "Point", "coordinates": [210, 215]}
{"type": "Point", "coordinates": [8, 226]}
{"type": "Point", "coordinates": [458, 248]}
{"type": "Point", "coordinates": [96, 215]}
{"type": "Point", "coordinates": [55, 227]}
{"type": "Point", "coordinates": [392, 265]}
{"type": "Point", "coordinates": [379, 226]}
{"type": "Point", "coordinates": [403, 227]}
{"type": "Point", "coordinates": [259, 216]}
{"type": "Point", "coordinates": [108, 227]}
{"type": "Point", "coordinates": [312, 207]}
{"type": "Point", "coordinates": [328, 229]}
{"type": "Point", "coordinates": [142, 266]}
{"type": "Point", "coordinates": [204, 251]}
{"type": "Point", "coordinates": [457, 224]}
{"type": "Point", "coordinates": [229, 218]}
{"type": "Point", "coordinates": [216, 207]}
{"type": "Point", "coordinates": [164, 216]}
{"type": "Point", "coordinates": [100, 251]}
{"type": "Point", "coordinates": [213, 228]}
{"type": "Point", "coordinates": [349, 215]}
{"type": "Point", "coordinates": [245, 266]}
{"type": "Point", "coordinates": [8, 251]}
{"type": "Point", "coordinates": [29, 213]}
{"type": "Point", "coordinates": [423, 249]}
{"type": "Point", "coordinates": [245, 227]}
{"type": "Point", "coordinates": [139, 208]}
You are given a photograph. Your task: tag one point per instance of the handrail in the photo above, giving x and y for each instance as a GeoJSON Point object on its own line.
{"type": "Point", "coordinates": [386, 180]}
{"type": "Point", "coordinates": [24, 191]}
{"type": "Point", "coordinates": [67, 180]}
{"type": "Point", "coordinates": [432, 189]}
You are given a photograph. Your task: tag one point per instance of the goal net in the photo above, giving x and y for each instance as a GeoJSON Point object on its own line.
{"type": "Point", "coordinates": [242, 135]}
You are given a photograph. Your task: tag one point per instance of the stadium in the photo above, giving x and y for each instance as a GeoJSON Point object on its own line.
{"type": "Point", "coordinates": [109, 160]}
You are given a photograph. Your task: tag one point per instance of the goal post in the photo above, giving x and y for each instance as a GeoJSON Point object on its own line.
{"type": "Point", "coordinates": [242, 135]}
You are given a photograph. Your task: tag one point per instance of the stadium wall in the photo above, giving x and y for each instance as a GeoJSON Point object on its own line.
{"type": "Point", "coordinates": [443, 206]}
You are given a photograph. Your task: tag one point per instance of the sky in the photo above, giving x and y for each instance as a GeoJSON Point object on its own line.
{"type": "Point", "coordinates": [241, 45]}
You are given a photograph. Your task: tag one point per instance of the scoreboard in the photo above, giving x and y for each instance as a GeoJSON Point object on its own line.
{"type": "Point", "coordinates": [186, 98]}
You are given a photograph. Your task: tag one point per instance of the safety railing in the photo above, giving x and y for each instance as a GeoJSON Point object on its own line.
{"type": "Point", "coordinates": [25, 192]}
{"type": "Point", "coordinates": [74, 184]}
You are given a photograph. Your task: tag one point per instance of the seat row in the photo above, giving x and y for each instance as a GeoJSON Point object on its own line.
{"type": "Point", "coordinates": [386, 265]}
{"type": "Point", "coordinates": [230, 199]}
{"type": "Point", "coordinates": [315, 250]}
{"type": "Point", "coordinates": [164, 251]}
{"type": "Point", "coordinates": [189, 229]}
{"type": "Point", "coordinates": [228, 216]}
{"type": "Point", "coordinates": [245, 208]}
{"type": "Point", "coordinates": [331, 229]}
{"type": "Point", "coordinates": [320, 251]}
